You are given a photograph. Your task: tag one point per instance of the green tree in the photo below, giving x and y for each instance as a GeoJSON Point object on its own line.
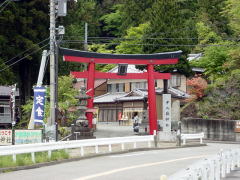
{"type": "Point", "coordinates": [222, 100]}
{"type": "Point", "coordinates": [23, 25]}
{"type": "Point", "coordinates": [232, 12]}
{"type": "Point", "coordinates": [210, 12]}
{"type": "Point", "coordinates": [171, 26]}
{"type": "Point", "coordinates": [66, 100]}
{"type": "Point", "coordinates": [134, 39]}
{"type": "Point", "coordinates": [134, 13]}
{"type": "Point", "coordinates": [216, 56]}
{"type": "Point", "coordinates": [112, 22]}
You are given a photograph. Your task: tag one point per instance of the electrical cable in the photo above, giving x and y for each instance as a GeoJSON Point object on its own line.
{"type": "Point", "coordinates": [167, 38]}
{"type": "Point", "coordinates": [4, 5]}
{"type": "Point", "coordinates": [8, 66]}
{"type": "Point", "coordinates": [24, 52]}
{"type": "Point", "coordinates": [163, 45]}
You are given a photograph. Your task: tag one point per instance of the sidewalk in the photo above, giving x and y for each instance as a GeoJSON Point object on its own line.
{"type": "Point", "coordinates": [113, 129]}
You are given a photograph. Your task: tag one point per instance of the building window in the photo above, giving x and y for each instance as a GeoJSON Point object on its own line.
{"type": "Point", "coordinates": [1, 111]}
{"type": "Point", "coordinates": [175, 81]}
{"type": "Point", "coordinates": [138, 85]}
{"type": "Point", "coordinates": [116, 87]}
{"type": "Point", "coordinates": [109, 88]}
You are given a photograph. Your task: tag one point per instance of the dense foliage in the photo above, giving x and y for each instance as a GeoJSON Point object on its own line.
{"type": "Point", "coordinates": [126, 26]}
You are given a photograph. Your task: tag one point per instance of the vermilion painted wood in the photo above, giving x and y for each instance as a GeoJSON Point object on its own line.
{"type": "Point", "coordinates": [150, 75]}
{"type": "Point", "coordinates": [103, 75]}
{"type": "Point", "coordinates": [120, 61]}
{"type": "Point", "coordinates": [90, 91]}
{"type": "Point", "coordinates": [152, 110]}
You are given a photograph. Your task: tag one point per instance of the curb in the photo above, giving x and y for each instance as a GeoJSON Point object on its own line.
{"type": "Point", "coordinates": [38, 165]}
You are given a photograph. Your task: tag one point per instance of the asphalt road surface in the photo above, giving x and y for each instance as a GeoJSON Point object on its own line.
{"type": "Point", "coordinates": [142, 165]}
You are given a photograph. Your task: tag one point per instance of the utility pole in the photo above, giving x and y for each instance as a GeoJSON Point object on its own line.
{"type": "Point", "coordinates": [85, 49]}
{"type": "Point", "coordinates": [86, 37]}
{"type": "Point", "coordinates": [53, 85]}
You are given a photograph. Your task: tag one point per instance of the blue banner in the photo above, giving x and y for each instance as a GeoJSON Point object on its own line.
{"type": "Point", "coordinates": [39, 102]}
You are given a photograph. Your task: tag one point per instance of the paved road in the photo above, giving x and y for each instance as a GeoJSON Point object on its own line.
{"type": "Point", "coordinates": [144, 165]}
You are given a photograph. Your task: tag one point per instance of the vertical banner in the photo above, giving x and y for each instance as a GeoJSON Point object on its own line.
{"type": "Point", "coordinates": [167, 112]}
{"type": "Point", "coordinates": [39, 102]}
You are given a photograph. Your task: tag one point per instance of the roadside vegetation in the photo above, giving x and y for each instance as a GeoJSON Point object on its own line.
{"type": "Point", "coordinates": [25, 159]}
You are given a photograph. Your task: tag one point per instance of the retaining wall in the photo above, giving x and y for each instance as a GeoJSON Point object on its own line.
{"type": "Point", "coordinates": [214, 129]}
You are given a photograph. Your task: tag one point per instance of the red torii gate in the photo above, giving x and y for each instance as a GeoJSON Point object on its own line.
{"type": "Point", "coordinates": [138, 59]}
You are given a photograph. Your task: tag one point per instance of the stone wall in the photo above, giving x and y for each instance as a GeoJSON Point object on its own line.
{"type": "Point", "coordinates": [219, 130]}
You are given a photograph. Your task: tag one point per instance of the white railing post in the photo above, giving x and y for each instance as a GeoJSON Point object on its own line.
{"type": "Point", "coordinates": [110, 148]}
{"type": "Point", "coordinates": [212, 169]}
{"type": "Point", "coordinates": [217, 172]}
{"type": "Point", "coordinates": [238, 158]}
{"type": "Point", "coordinates": [223, 166]}
{"type": "Point", "coordinates": [49, 154]}
{"type": "Point", "coordinates": [96, 149]}
{"type": "Point", "coordinates": [135, 145]}
{"type": "Point", "coordinates": [149, 144]}
{"type": "Point", "coordinates": [184, 141]}
{"type": "Point", "coordinates": [122, 146]}
{"type": "Point", "coordinates": [14, 157]}
{"type": "Point", "coordinates": [82, 151]}
{"type": "Point", "coordinates": [33, 157]}
{"type": "Point", "coordinates": [228, 161]}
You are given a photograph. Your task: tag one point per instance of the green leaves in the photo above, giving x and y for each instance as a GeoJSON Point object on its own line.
{"type": "Point", "coordinates": [223, 98]}
{"type": "Point", "coordinates": [134, 39]}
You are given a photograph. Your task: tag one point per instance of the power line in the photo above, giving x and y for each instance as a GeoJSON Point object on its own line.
{"type": "Point", "coordinates": [4, 5]}
{"type": "Point", "coordinates": [149, 38]}
{"type": "Point", "coordinates": [8, 66]}
{"type": "Point", "coordinates": [24, 51]}
{"type": "Point", "coordinates": [163, 45]}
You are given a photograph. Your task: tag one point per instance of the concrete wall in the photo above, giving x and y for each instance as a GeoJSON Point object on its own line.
{"type": "Point", "coordinates": [219, 130]}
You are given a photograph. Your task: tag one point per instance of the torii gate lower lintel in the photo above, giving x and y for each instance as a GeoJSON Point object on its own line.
{"type": "Point", "coordinates": [140, 59]}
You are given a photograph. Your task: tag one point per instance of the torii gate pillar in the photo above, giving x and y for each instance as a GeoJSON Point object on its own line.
{"type": "Point", "coordinates": [90, 91]}
{"type": "Point", "coordinates": [152, 109]}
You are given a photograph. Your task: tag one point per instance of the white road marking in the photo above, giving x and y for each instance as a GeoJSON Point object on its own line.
{"type": "Point", "coordinates": [127, 155]}
{"type": "Point", "coordinates": [137, 166]}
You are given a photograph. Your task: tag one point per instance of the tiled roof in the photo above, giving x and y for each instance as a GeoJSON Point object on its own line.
{"type": "Point", "coordinates": [109, 97]}
{"type": "Point", "coordinates": [197, 69]}
{"type": "Point", "coordinates": [130, 98]}
{"type": "Point", "coordinates": [194, 56]}
{"type": "Point", "coordinates": [137, 94]}
{"type": "Point", "coordinates": [6, 90]}
{"type": "Point", "coordinates": [130, 69]}
{"type": "Point", "coordinates": [174, 92]}
{"type": "Point", "coordinates": [80, 83]}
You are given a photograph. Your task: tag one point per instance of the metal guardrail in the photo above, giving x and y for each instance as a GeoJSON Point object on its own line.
{"type": "Point", "coordinates": [51, 146]}
{"type": "Point", "coordinates": [185, 137]}
{"type": "Point", "coordinates": [212, 168]}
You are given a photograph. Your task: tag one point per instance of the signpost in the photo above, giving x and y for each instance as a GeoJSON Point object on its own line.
{"type": "Point", "coordinates": [5, 137]}
{"type": "Point", "coordinates": [39, 102]}
{"type": "Point", "coordinates": [28, 136]}
{"type": "Point", "coordinates": [167, 112]}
